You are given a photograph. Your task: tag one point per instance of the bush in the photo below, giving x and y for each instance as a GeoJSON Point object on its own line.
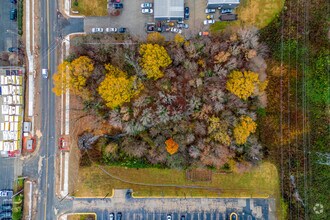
{"type": "Point", "coordinates": [75, 3]}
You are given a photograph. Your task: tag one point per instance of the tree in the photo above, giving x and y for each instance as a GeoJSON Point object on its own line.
{"type": "Point", "coordinates": [73, 76]}
{"type": "Point", "coordinates": [153, 58]}
{"type": "Point", "coordinates": [218, 131]}
{"type": "Point", "coordinates": [155, 38]}
{"type": "Point", "coordinates": [171, 146]}
{"type": "Point", "coordinates": [243, 130]}
{"type": "Point", "coordinates": [179, 39]}
{"type": "Point", "coordinates": [117, 89]}
{"type": "Point", "coordinates": [242, 84]}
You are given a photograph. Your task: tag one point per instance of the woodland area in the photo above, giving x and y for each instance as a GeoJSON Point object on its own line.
{"type": "Point", "coordinates": [179, 104]}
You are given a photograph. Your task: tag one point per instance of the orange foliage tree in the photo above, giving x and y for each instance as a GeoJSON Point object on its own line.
{"type": "Point", "coordinates": [171, 146]}
{"type": "Point", "coordinates": [243, 130]}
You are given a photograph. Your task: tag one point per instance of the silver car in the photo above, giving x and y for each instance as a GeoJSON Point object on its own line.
{"type": "Point", "coordinates": [111, 30]}
{"type": "Point", "coordinates": [97, 30]}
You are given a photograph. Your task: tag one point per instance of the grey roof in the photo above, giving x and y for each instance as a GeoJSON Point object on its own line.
{"type": "Point", "coordinates": [223, 1]}
{"type": "Point", "coordinates": [168, 8]}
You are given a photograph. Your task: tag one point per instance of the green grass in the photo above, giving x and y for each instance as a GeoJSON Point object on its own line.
{"type": "Point", "coordinates": [262, 181]}
{"type": "Point", "coordinates": [221, 25]}
{"type": "Point", "coordinates": [20, 16]}
{"type": "Point", "coordinates": [90, 7]}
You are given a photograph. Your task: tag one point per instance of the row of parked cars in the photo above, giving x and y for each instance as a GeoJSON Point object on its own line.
{"type": "Point", "coordinates": [119, 215]}
{"type": "Point", "coordinates": [226, 14]}
{"type": "Point", "coordinates": [6, 207]}
{"type": "Point", "coordinates": [109, 30]}
{"type": "Point", "coordinates": [147, 8]}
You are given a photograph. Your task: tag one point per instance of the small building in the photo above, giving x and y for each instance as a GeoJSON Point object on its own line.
{"type": "Point", "coordinates": [169, 10]}
{"type": "Point", "coordinates": [27, 126]}
{"type": "Point", "coordinates": [222, 3]}
{"type": "Point", "coordinates": [228, 17]}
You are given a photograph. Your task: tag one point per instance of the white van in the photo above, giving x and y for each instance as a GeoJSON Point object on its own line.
{"type": "Point", "coordinates": [44, 73]}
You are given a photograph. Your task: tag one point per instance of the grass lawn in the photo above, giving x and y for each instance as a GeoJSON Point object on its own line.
{"type": "Point", "coordinates": [262, 181]}
{"type": "Point", "coordinates": [259, 13]}
{"type": "Point", "coordinates": [90, 7]}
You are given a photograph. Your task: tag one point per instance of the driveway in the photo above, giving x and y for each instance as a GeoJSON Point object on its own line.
{"type": "Point", "coordinates": [8, 33]}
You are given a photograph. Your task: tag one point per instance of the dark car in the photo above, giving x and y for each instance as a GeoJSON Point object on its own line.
{"type": "Point", "coordinates": [183, 217]}
{"type": "Point", "coordinates": [119, 215]}
{"type": "Point", "coordinates": [117, 5]}
{"type": "Point", "coordinates": [186, 13]}
{"type": "Point", "coordinates": [6, 207]}
{"type": "Point", "coordinates": [13, 1]}
{"type": "Point", "coordinates": [13, 49]}
{"type": "Point", "coordinates": [13, 14]}
{"type": "Point", "coordinates": [122, 30]}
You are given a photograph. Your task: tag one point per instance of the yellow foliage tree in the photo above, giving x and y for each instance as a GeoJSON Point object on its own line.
{"type": "Point", "coordinates": [242, 84]}
{"type": "Point", "coordinates": [154, 57]}
{"type": "Point", "coordinates": [73, 76]}
{"type": "Point", "coordinates": [243, 130]}
{"type": "Point", "coordinates": [155, 38]}
{"type": "Point", "coordinates": [117, 89]}
{"type": "Point", "coordinates": [179, 39]}
{"type": "Point", "coordinates": [171, 146]}
{"type": "Point", "coordinates": [218, 131]}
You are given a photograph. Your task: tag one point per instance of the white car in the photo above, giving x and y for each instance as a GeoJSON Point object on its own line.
{"type": "Point", "coordinates": [209, 10]}
{"type": "Point", "coordinates": [146, 5]}
{"type": "Point", "coordinates": [147, 10]}
{"type": "Point", "coordinates": [209, 22]}
{"type": "Point", "coordinates": [176, 30]}
{"type": "Point", "coordinates": [44, 73]}
{"type": "Point", "coordinates": [111, 30]}
{"type": "Point", "coordinates": [97, 30]}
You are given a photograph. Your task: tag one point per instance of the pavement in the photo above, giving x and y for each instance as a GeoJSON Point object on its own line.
{"type": "Point", "coordinates": [7, 38]}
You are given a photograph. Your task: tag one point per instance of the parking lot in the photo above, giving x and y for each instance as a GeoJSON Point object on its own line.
{"type": "Point", "coordinates": [132, 18]}
{"type": "Point", "coordinates": [8, 33]}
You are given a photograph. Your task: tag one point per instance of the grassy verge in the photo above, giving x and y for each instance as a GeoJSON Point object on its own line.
{"type": "Point", "coordinates": [262, 181]}
{"type": "Point", "coordinates": [82, 216]}
{"type": "Point", "coordinates": [90, 8]}
{"type": "Point", "coordinates": [18, 200]}
{"type": "Point", "coordinates": [20, 16]}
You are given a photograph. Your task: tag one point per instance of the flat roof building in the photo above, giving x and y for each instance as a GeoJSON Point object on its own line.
{"type": "Point", "coordinates": [222, 3]}
{"type": "Point", "coordinates": [169, 9]}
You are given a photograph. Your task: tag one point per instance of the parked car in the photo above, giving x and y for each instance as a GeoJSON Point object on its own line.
{"type": "Point", "coordinates": [6, 193]}
{"type": "Point", "coordinates": [13, 49]}
{"type": "Point", "coordinates": [112, 216]}
{"type": "Point", "coordinates": [5, 215]}
{"type": "Point", "coordinates": [44, 73]}
{"type": "Point", "coordinates": [119, 215]}
{"type": "Point", "coordinates": [209, 17]}
{"type": "Point", "coordinates": [122, 30]}
{"type": "Point", "coordinates": [209, 10]}
{"type": "Point", "coordinates": [118, 5]}
{"type": "Point", "coordinates": [228, 17]}
{"type": "Point", "coordinates": [111, 30]}
{"type": "Point", "coordinates": [146, 5]}
{"type": "Point", "coordinates": [209, 22]}
{"type": "Point", "coordinates": [150, 27]}
{"type": "Point", "coordinates": [204, 33]}
{"type": "Point", "coordinates": [226, 10]}
{"type": "Point", "coordinates": [13, 1]}
{"type": "Point", "coordinates": [176, 30]}
{"type": "Point", "coordinates": [169, 217]}
{"type": "Point", "coordinates": [147, 10]}
{"type": "Point", "coordinates": [7, 207]}
{"type": "Point", "coordinates": [13, 14]}
{"type": "Point", "coordinates": [97, 30]}
{"type": "Point", "coordinates": [183, 217]}
{"type": "Point", "coordinates": [182, 25]}
{"type": "Point", "coordinates": [186, 13]}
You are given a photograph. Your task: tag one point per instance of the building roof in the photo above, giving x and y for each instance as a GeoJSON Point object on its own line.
{"type": "Point", "coordinates": [169, 9]}
{"type": "Point", "coordinates": [223, 1]}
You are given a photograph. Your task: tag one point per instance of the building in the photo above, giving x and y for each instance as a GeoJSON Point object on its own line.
{"type": "Point", "coordinates": [169, 9]}
{"type": "Point", "coordinates": [222, 3]}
